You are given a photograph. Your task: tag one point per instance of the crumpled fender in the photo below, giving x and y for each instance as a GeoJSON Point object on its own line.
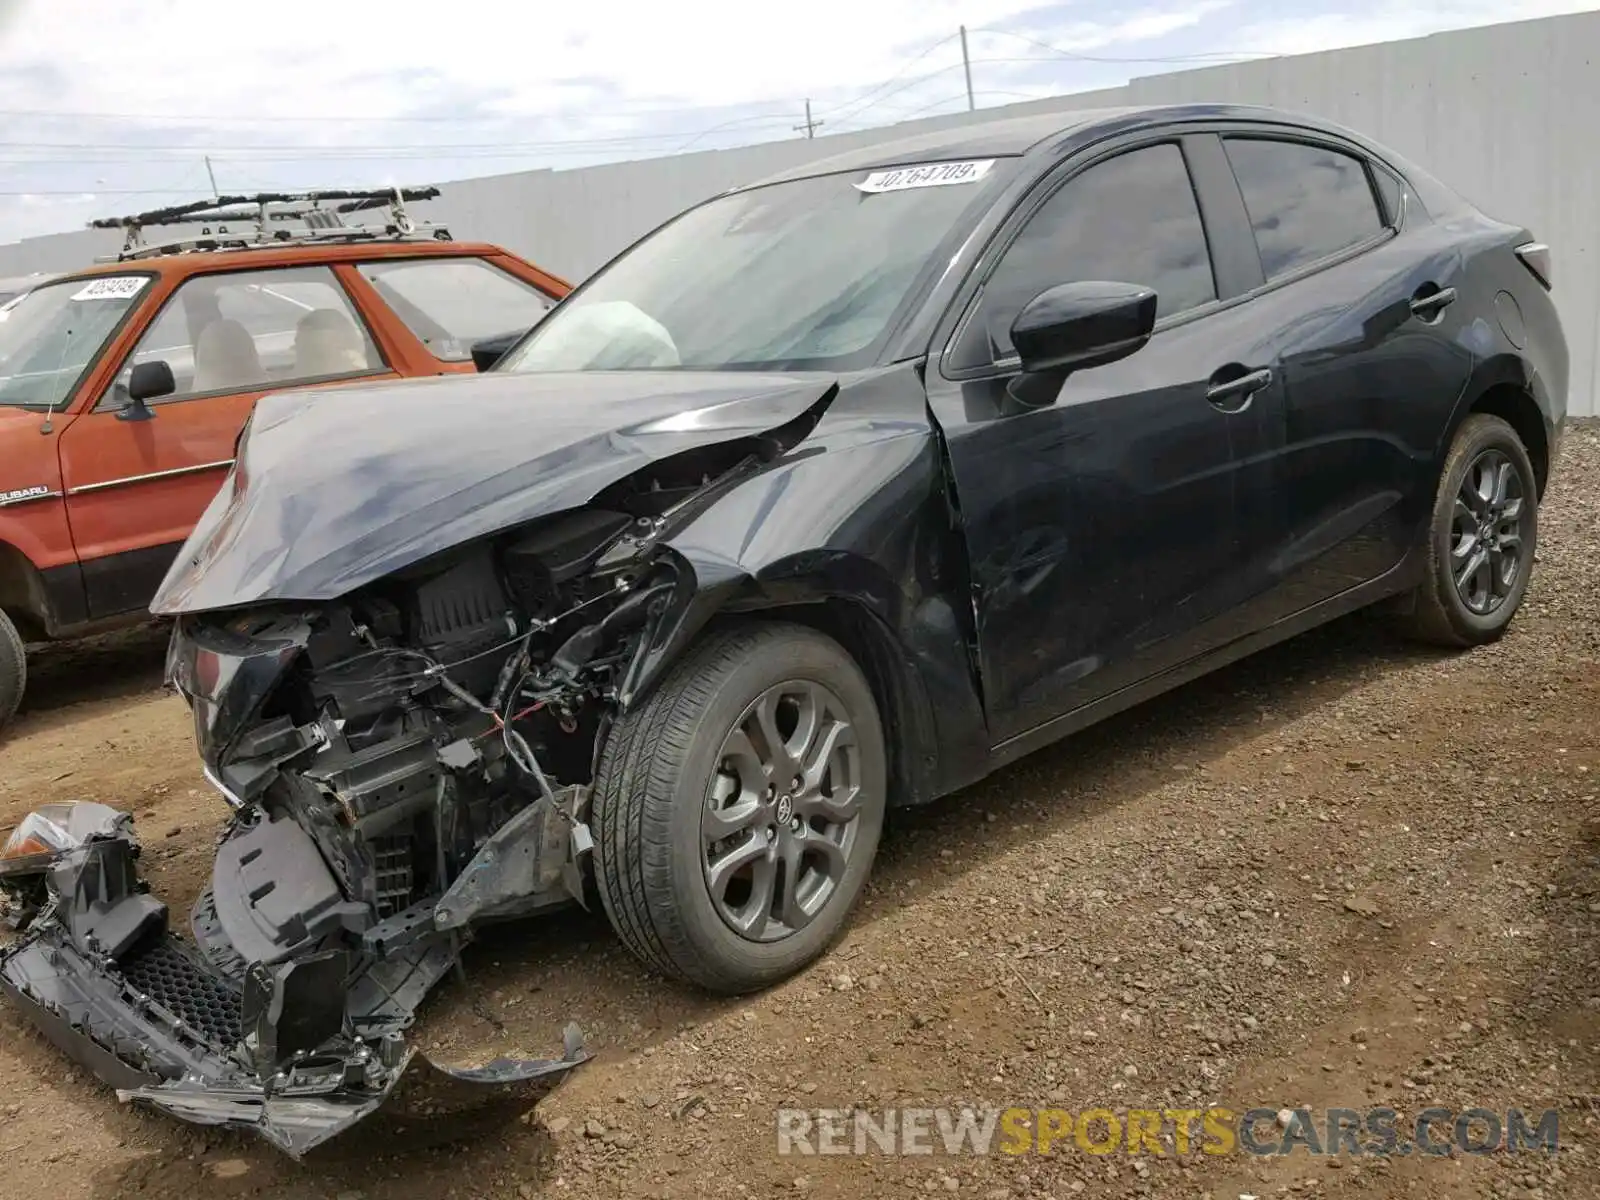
{"type": "Point", "coordinates": [854, 516]}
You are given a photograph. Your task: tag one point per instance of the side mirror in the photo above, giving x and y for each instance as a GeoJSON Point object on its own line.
{"type": "Point", "coordinates": [1078, 325]}
{"type": "Point", "coordinates": [148, 381]}
{"type": "Point", "coordinates": [491, 350]}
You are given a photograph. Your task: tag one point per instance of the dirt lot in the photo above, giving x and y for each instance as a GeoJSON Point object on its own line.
{"type": "Point", "coordinates": [1346, 873]}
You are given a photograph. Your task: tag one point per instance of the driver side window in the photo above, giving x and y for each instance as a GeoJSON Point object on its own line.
{"type": "Point", "coordinates": [1130, 219]}
{"type": "Point", "coordinates": [253, 331]}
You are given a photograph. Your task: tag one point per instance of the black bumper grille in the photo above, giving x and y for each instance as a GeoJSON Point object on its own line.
{"type": "Point", "coordinates": [393, 874]}
{"type": "Point", "coordinates": [170, 975]}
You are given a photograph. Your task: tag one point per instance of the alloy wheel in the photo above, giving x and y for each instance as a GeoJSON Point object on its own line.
{"type": "Point", "coordinates": [782, 813]}
{"type": "Point", "coordinates": [1486, 528]}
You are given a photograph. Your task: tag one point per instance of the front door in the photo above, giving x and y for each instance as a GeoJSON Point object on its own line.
{"type": "Point", "coordinates": [1104, 529]}
{"type": "Point", "coordinates": [135, 488]}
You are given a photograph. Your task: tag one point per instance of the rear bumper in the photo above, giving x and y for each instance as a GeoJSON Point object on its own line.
{"type": "Point", "coordinates": [101, 975]}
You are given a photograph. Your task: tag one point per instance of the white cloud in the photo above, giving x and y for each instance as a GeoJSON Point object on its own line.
{"type": "Point", "coordinates": [341, 94]}
{"type": "Point", "coordinates": [364, 60]}
{"type": "Point", "coordinates": [350, 97]}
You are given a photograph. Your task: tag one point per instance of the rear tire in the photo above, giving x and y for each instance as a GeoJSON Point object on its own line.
{"type": "Point", "coordinates": [1485, 530]}
{"type": "Point", "coordinates": [13, 670]}
{"type": "Point", "coordinates": [713, 867]}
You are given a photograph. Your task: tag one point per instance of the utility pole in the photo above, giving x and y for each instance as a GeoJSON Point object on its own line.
{"type": "Point", "coordinates": [966, 65]}
{"type": "Point", "coordinates": [810, 126]}
{"type": "Point", "coordinates": [215, 193]}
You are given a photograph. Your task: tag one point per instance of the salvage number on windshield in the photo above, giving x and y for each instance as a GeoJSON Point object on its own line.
{"type": "Point", "coordinates": [115, 287]}
{"type": "Point", "coordinates": [933, 175]}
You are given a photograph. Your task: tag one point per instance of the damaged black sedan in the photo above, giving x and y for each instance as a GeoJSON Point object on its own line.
{"type": "Point", "coordinates": [834, 493]}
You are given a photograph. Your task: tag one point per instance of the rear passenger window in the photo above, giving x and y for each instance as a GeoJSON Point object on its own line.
{"type": "Point", "coordinates": [1132, 219]}
{"type": "Point", "coordinates": [450, 303]}
{"type": "Point", "coordinates": [1305, 202]}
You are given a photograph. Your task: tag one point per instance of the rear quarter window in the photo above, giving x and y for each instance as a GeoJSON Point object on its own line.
{"type": "Point", "coordinates": [1391, 192]}
{"type": "Point", "coordinates": [1305, 202]}
{"type": "Point", "coordinates": [450, 303]}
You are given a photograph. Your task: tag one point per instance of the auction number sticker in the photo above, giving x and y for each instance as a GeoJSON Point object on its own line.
{"type": "Point", "coordinates": [899, 179]}
{"type": "Point", "coordinates": [113, 287]}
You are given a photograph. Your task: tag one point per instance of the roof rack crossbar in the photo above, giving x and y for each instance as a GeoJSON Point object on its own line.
{"type": "Point", "coordinates": [208, 210]}
{"type": "Point", "coordinates": [321, 212]}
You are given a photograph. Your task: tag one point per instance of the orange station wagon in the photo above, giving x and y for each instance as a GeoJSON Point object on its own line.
{"type": "Point", "coordinates": [124, 387]}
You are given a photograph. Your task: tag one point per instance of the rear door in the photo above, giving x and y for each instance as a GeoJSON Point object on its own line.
{"type": "Point", "coordinates": [135, 488]}
{"type": "Point", "coordinates": [1372, 343]}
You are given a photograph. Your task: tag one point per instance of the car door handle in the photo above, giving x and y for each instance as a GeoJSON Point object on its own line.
{"type": "Point", "coordinates": [1426, 306]}
{"type": "Point", "coordinates": [1239, 387]}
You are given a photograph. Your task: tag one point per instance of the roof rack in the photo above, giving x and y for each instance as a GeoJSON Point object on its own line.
{"type": "Point", "coordinates": [322, 215]}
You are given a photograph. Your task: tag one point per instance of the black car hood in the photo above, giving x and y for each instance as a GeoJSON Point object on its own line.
{"type": "Point", "coordinates": [333, 490]}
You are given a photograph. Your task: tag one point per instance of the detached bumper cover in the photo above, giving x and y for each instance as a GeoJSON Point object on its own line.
{"type": "Point", "coordinates": [103, 978]}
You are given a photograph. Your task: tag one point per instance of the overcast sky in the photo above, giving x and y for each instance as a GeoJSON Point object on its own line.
{"type": "Point", "coordinates": [111, 106]}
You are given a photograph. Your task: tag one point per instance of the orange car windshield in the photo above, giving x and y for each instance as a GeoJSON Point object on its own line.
{"type": "Point", "coordinates": [804, 274]}
{"type": "Point", "coordinates": [51, 334]}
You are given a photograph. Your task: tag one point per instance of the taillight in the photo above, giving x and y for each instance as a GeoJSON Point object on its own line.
{"type": "Point", "coordinates": [1536, 257]}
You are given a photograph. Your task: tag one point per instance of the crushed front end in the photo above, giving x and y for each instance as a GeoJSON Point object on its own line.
{"type": "Point", "coordinates": [406, 756]}
{"type": "Point", "coordinates": [402, 765]}
{"type": "Point", "coordinates": [283, 1048]}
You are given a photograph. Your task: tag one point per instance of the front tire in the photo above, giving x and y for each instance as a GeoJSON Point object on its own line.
{"type": "Point", "coordinates": [13, 670]}
{"type": "Point", "coordinates": [737, 812]}
{"type": "Point", "coordinates": [1481, 538]}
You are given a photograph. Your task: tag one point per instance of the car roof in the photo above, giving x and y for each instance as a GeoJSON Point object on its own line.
{"type": "Point", "coordinates": [1013, 136]}
{"type": "Point", "coordinates": [195, 262]}
{"type": "Point", "coordinates": [20, 283]}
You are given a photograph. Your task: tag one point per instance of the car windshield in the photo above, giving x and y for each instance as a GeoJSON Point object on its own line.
{"type": "Point", "coordinates": [52, 333]}
{"type": "Point", "coordinates": [804, 274]}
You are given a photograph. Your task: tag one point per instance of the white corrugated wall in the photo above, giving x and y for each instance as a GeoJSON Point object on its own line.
{"type": "Point", "coordinates": [1505, 113]}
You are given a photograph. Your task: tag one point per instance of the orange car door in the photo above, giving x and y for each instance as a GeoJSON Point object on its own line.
{"type": "Point", "coordinates": [136, 487]}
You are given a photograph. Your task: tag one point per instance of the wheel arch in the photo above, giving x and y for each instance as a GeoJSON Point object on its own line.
{"type": "Point", "coordinates": [1506, 387]}
{"type": "Point", "coordinates": [909, 654]}
{"type": "Point", "coordinates": [23, 594]}
{"type": "Point", "coordinates": [1517, 407]}
{"type": "Point", "coordinates": [902, 698]}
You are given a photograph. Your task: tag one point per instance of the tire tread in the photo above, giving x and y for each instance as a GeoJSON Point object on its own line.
{"type": "Point", "coordinates": [632, 809]}
{"type": "Point", "coordinates": [1430, 620]}
{"type": "Point", "coordinates": [13, 670]}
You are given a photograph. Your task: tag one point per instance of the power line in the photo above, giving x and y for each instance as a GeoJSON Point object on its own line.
{"type": "Point", "coordinates": [928, 108]}
{"type": "Point", "coordinates": [454, 119]}
{"type": "Point", "coordinates": [723, 125]}
{"type": "Point", "coordinates": [324, 118]}
{"type": "Point", "coordinates": [863, 102]}
{"type": "Point", "coordinates": [116, 152]}
{"type": "Point", "coordinates": [843, 114]}
{"type": "Point", "coordinates": [96, 193]}
{"type": "Point", "coordinates": [873, 91]}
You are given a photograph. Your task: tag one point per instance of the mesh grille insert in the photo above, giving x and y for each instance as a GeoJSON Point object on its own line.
{"type": "Point", "coordinates": [394, 878]}
{"type": "Point", "coordinates": [169, 974]}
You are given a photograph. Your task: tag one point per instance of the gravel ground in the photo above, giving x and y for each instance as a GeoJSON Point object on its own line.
{"type": "Point", "coordinates": [1344, 873]}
